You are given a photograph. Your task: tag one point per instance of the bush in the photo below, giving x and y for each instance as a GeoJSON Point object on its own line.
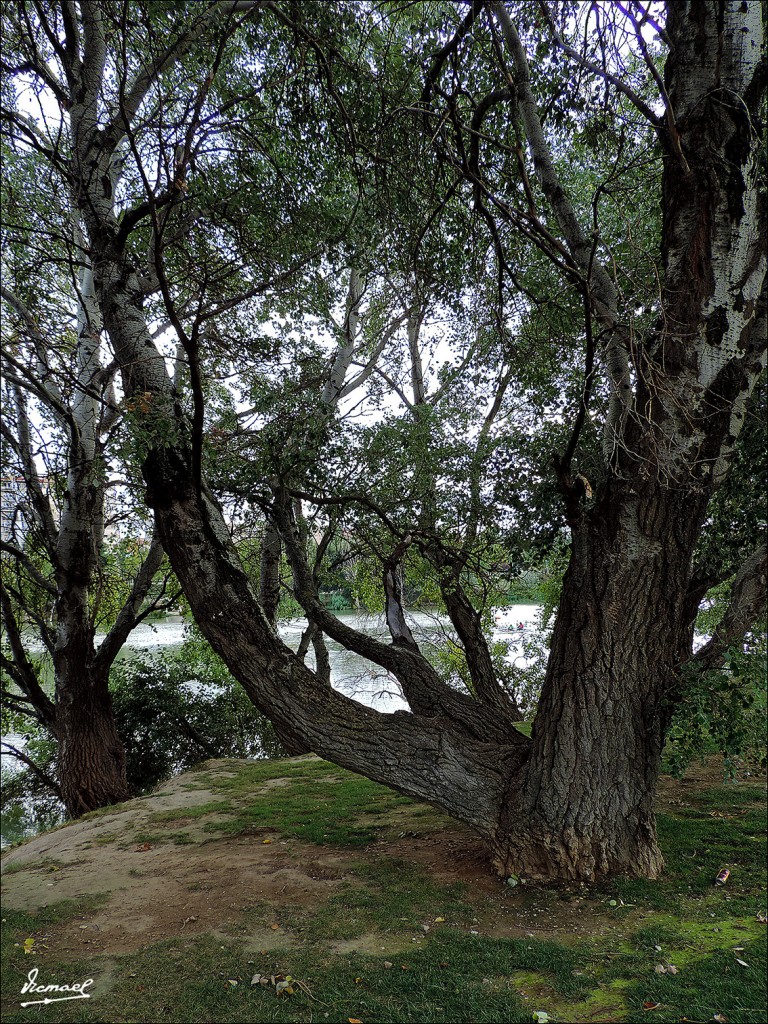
{"type": "Point", "coordinates": [178, 709]}
{"type": "Point", "coordinates": [723, 712]}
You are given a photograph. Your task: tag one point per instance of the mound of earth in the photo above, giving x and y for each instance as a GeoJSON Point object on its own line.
{"type": "Point", "coordinates": [158, 872]}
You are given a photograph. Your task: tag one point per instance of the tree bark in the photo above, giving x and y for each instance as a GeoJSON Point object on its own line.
{"type": "Point", "coordinates": [92, 769]}
{"type": "Point", "coordinates": [269, 571]}
{"type": "Point", "coordinates": [583, 806]}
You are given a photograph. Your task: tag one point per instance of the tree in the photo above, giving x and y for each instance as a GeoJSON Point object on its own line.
{"type": "Point", "coordinates": [61, 424]}
{"type": "Point", "coordinates": [673, 344]}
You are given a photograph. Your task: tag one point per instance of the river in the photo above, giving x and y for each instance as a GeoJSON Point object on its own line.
{"type": "Point", "coordinates": [350, 674]}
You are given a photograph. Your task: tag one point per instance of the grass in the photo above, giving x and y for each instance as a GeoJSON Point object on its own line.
{"type": "Point", "coordinates": [318, 803]}
{"type": "Point", "coordinates": [191, 813]}
{"type": "Point", "coordinates": [696, 847]}
{"type": "Point", "coordinates": [388, 897]}
{"type": "Point", "coordinates": [389, 943]}
{"type": "Point", "coordinates": [46, 864]}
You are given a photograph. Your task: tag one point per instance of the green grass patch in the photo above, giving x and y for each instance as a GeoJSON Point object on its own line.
{"type": "Point", "coordinates": [106, 838]}
{"type": "Point", "coordinates": [24, 946]}
{"type": "Point", "coordinates": [46, 864]}
{"type": "Point", "coordinates": [191, 813]}
{"type": "Point", "coordinates": [712, 984]}
{"type": "Point", "coordinates": [452, 978]}
{"type": "Point", "coordinates": [315, 802]}
{"type": "Point", "coordinates": [696, 848]}
{"type": "Point", "coordinates": [153, 838]}
{"type": "Point", "coordinates": [387, 897]}
{"type": "Point", "coordinates": [438, 970]}
{"type": "Point", "coordinates": [732, 796]}
{"type": "Point", "coordinates": [103, 812]}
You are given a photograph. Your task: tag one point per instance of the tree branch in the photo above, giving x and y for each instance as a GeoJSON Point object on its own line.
{"type": "Point", "coordinates": [747, 603]}
{"type": "Point", "coordinates": [128, 616]}
{"type": "Point", "coordinates": [607, 76]}
{"type": "Point", "coordinates": [24, 674]}
{"type": "Point", "coordinates": [44, 777]}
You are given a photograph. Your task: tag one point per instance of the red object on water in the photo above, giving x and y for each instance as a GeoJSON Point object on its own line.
{"type": "Point", "coordinates": [723, 877]}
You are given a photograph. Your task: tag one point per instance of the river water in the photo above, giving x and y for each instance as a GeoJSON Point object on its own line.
{"type": "Point", "coordinates": [350, 674]}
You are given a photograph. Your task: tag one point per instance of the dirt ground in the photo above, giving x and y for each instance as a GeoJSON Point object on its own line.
{"type": "Point", "coordinates": [158, 890]}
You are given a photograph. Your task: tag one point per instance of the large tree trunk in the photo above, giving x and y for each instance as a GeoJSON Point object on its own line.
{"type": "Point", "coordinates": [583, 806]}
{"type": "Point", "coordinates": [92, 768]}
{"type": "Point", "coordinates": [91, 756]}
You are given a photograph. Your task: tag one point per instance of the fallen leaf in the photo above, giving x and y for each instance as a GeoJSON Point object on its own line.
{"type": "Point", "coordinates": [761, 917]}
{"type": "Point", "coordinates": [143, 847]}
{"type": "Point", "coordinates": [439, 920]}
{"type": "Point", "coordinates": [672, 969]}
{"type": "Point", "coordinates": [354, 1020]}
{"type": "Point", "coordinates": [660, 969]}
{"type": "Point", "coordinates": [742, 962]}
{"type": "Point", "coordinates": [275, 927]}
{"type": "Point", "coordinates": [540, 1016]}
{"type": "Point", "coordinates": [266, 842]}
{"type": "Point", "coordinates": [232, 982]}
{"type": "Point", "coordinates": [648, 1005]}
{"type": "Point", "coordinates": [388, 964]}
{"type": "Point", "coordinates": [720, 1018]}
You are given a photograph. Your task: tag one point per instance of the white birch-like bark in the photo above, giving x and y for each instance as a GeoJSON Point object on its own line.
{"type": "Point", "coordinates": [346, 346]}
{"type": "Point", "coordinates": [712, 344]}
